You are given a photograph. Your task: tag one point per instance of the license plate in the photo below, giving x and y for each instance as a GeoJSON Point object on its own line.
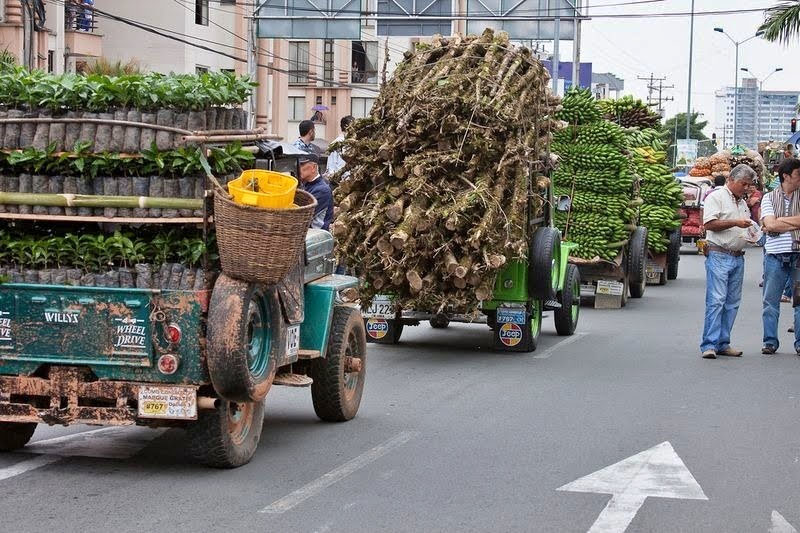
{"type": "Point", "coordinates": [168, 402]}
{"type": "Point", "coordinates": [610, 288]}
{"type": "Point", "coordinates": [653, 268]}
{"type": "Point", "coordinates": [510, 315]}
{"type": "Point", "coordinates": [382, 307]}
{"type": "Point", "coordinates": [292, 340]}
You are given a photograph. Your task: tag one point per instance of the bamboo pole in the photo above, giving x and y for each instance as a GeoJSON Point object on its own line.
{"type": "Point", "coordinates": [108, 121]}
{"type": "Point", "coordinates": [112, 220]}
{"type": "Point", "coordinates": [229, 138]}
{"type": "Point", "coordinates": [85, 200]}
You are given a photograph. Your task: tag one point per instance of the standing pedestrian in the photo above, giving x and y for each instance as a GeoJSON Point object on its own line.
{"type": "Point", "coordinates": [307, 136]}
{"type": "Point", "coordinates": [780, 211]}
{"type": "Point", "coordinates": [335, 161]}
{"type": "Point", "coordinates": [726, 218]}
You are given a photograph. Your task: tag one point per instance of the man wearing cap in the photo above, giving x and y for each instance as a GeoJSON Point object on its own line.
{"type": "Point", "coordinates": [311, 182]}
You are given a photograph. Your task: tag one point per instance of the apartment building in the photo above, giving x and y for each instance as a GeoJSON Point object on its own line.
{"type": "Point", "coordinates": [297, 78]}
{"type": "Point", "coordinates": [54, 36]}
{"type": "Point", "coordinates": [760, 115]}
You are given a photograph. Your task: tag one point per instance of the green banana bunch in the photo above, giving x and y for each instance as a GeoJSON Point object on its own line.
{"type": "Point", "coordinates": [579, 107]}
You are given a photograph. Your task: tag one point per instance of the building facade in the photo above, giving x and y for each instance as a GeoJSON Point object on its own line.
{"type": "Point", "coordinates": [761, 116]}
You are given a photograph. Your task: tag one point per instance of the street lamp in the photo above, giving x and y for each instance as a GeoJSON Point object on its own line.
{"type": "Point", "coordinates": [761, 82]}
{"type": "Point", "coordinates": [758, 97]}
{"type": "Point", "coordinates": [736, 72]}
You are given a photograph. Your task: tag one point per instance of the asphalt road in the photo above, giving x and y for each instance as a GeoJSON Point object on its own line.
{"type": "Point", "coordinates": [454, 437]}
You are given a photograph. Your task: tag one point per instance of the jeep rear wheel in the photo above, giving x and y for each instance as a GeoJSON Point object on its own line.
{"type": "Point", "coordinates": [15, 435]}
{"type": "Point", "coordinates": [228, 436]}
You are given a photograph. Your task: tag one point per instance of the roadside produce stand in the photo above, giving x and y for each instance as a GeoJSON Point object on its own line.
{"type": "Point", "coordinates": [109, 317]}
{"type": "Point", "coordinates": [446, 212]}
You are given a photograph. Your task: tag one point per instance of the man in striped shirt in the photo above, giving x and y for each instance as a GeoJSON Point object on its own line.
{"type": "Point", "coordinates": [780, 217]}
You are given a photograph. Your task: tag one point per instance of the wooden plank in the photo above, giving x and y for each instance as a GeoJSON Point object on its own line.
{"type": "Point", "coordinates": [308, 354]}
{"type": "Point", "coordinates": [114, 220]}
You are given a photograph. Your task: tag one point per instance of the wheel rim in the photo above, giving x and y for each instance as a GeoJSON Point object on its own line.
{"type": "Point", "coordinates": [240, 421]}
{"type": "Point", "coordinates": [351, 379]}
{"type": "Point", "coordinates": [576, 300]}
{"type": "Point", "coordinates": [258, 338]}
{"type": "Point", "coordinates": [536, 318]}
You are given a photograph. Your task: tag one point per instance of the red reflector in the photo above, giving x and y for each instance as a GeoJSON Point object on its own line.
{"type": "Point", "coordinates": [168, 364]}
{"type": "Point", "coordinates": [172, 333]}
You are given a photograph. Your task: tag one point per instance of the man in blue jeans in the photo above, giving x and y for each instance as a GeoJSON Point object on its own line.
{"type": "Point", "coordinates": [726, 218]}
{"type": "Point", "coordinates": [780, 217]}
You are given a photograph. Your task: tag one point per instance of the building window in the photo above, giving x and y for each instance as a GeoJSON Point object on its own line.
{"type": "Point", "coordinates": [327, 62]}
{"type": "Point", "coordinates": [365, 62]}
{"type": "Point", "coordinates": [359, 107]}
{"type": "Point", "coordinates": [51, 60]}
{"type": "Point", "coordinates": [297, 105]}
{"type": "Point", "coordinates": [333, 100]}
{"type": "Point", "coordinates": [298, 62]}
{"type": "Point", "coordinates": [201, 12]}
{"type": "Point", "coordinates": [200, 69]}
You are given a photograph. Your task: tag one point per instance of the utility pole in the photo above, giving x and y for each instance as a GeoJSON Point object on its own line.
{"type": "Point", "coordinates": [662, 99]}
{"type": "Point", "coordinates": [650, 87]}
{"type": "Point", "coordinates": [691, 54]}
{"type": "Point", "coordinates": [576, 47]}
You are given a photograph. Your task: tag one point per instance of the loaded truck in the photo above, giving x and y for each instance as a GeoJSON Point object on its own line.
{"type": "Point", "coordinates": [115, 308]}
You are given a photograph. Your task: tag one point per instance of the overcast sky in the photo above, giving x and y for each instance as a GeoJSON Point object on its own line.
{"type": "Point", "coordinates": [637, 47]}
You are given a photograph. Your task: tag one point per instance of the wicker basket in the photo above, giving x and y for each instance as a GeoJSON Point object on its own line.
{"type": "Point", "coordinates": [261, 245]}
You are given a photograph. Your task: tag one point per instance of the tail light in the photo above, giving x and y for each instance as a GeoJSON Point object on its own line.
{"type": "Point", "coordinates": [172, 333]}
{"type": "Point", "coordinates": [168, 364]}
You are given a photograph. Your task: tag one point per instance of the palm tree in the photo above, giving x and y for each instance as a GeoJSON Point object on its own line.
{"type": "Point", "coordinates": [782, 22]}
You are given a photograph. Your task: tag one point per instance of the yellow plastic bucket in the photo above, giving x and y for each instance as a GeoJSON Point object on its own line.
{"type": "Point", "coordinates": [263, 188]}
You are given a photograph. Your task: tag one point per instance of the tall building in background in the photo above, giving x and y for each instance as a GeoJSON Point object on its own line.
{"type": "Point", "coordinates": [760, 115]}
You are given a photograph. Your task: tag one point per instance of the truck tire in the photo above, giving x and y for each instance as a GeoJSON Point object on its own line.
{"type": "Point", "coordinates": [15, 435]}
{"type": "Point", "coordinates": [637, 262]}
{"type": "Point", "coordinates": [246, 338]}
{"type": "Point", "coordinates": [228, 436]}
{"type": "Point", "coordinates": [542, 263]}
{"type": "Point", "coordinates": [337, 388]}
{"type": "Point", "coordinates": [566, 317]}
{"type": "Point", "coordinates": [673, 254]}
{"type": "Point", "coordinates": [439, 321]}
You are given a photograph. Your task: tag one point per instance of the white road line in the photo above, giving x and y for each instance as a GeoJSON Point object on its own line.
{"type": "Point", "coordinates": [337, 474]}
{"type": "Point", "coordinates": [548, 352]}
{"type": "Point", "coordinates": [780, 524]}
{"type": "Point", "coordinates": [27, 466]}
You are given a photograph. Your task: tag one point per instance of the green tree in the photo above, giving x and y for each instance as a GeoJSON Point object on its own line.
{"type": "Point", "coordinates": [782, 22]}
{"type": "Point", "coordinates": [696, 128]}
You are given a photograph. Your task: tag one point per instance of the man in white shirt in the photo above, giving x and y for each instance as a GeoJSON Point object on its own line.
{"type": "Point", "coordinates": [335, 161]}
{"type": "Point", "coordinates": [780, 217]}
{"type": "Point", "coordinates": [726, 218]}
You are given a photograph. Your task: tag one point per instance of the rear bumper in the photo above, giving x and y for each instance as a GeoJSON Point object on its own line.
{"type": "Point", "coordinates": [67, 397]}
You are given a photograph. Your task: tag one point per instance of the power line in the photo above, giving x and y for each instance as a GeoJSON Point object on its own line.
{"type": "Point", "coordinates": [140, 26]}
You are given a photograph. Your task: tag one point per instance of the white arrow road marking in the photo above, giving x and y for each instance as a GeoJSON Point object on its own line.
{"type": "Point", "coordinates": [654, 473]}
{"type": "Point", "coordinates": [302, 494]}
{"type": "Point", "coordinates": [780, 524]}
{"type": "Point", "coordinates": [103, 443]}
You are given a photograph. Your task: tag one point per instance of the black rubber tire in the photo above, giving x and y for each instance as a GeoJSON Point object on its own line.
{"type": "Point", "coordinates": [637, 262]}
{"type": "Point", "coordinates": [15, 435]}
{"type": "Point", "coordinates": [215, 442]}
{"type": "Point", "coordinates": [439, 321]}
{"type": "Point", "coordinates": [336, 394]}
{"type": "Point", "coordinates": [566, 323]}
{"type": "Point", "coordinates": [238, 311]}
{"type": "Point", "coordinates": [673, 254]}
{"type": "Point", "coordinates": [544, 250]}
{"type": "Point", "coordinates": [626, 289]}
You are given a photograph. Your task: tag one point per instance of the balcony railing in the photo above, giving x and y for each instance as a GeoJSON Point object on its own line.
{"type": "Point", "coordinates": [79, 18]}
{"type": "Point", "coordinates": [364, 76]}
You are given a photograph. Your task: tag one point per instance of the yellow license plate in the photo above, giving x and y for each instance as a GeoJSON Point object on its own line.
{"type": "Point", "coordinates": [154, 408]}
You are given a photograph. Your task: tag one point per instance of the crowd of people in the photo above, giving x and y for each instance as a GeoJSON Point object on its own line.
{"type": "Point", "coordinates": [739, 212]}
